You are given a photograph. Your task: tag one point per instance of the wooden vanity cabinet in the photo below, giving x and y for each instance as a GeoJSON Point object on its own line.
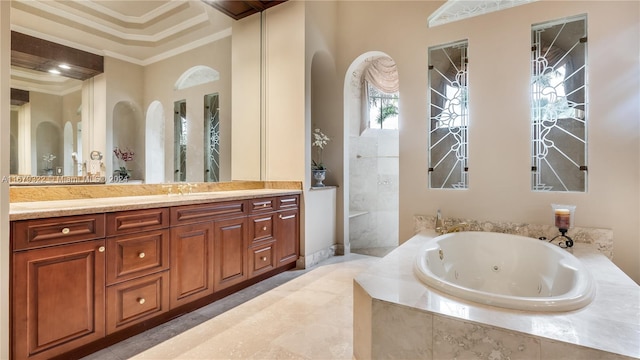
{"type": "Point", "coordinates": [287, 230]}
{"type": "Point", "coordinates": [137, 266]}
{"type": "Point", "coordinates": [80, 283]}
{"type": "Point", "coordinates": [57, 297]}
{"type": "Point", "coordinates": [207, 249]}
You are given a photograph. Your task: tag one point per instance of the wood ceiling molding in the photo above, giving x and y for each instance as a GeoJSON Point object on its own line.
{"type": "Point", "coordinates": [19, 97]}
{"type": "Point", "coordinates": [42, 55]}
{"type": "Point", "coordinates": [241, 9]}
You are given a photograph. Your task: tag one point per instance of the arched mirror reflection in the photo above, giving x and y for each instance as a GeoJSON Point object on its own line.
{"type": "Point", "coordinates": [448, 116]}
{"type": "Point", "coordinates": [558, 105]}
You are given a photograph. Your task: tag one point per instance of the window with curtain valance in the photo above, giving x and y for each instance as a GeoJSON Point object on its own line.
{"type": "Point", "coordinates": [380, 94]}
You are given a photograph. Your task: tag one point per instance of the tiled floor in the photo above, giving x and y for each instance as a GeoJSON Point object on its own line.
{"type": "Point", "coordinates": [299, 314]}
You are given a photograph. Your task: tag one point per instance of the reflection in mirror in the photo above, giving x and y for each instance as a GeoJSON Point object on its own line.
{"type": "Point", "coordinates": [180, 140]}
{"type": "Point", "coordinates": [558, 105]}
{"type": "Point", "coordinates": [448, 116]}
{"type": "Point", "coordinates": [211, 138]}
{"type": "Point", "coordinates": [44, 127]}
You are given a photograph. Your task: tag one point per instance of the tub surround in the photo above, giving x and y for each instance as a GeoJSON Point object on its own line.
{"type": "Point", "coordinates": [394, 313]}
{"type": "Point", "coordinates": [601, 239]}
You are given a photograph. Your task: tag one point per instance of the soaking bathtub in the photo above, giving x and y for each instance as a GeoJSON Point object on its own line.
{"type": "Point", "coordinates": [503, 270]}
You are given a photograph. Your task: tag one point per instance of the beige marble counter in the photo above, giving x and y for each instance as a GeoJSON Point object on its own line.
{"type": "Point", "coordinates": [40, 209]}
{"type": "Point", "coordinates": [608, 328]}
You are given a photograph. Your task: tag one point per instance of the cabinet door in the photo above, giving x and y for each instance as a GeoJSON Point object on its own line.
{"type": "Point", "coordinates": [287, 232]}
{"type": "Point", "coordinates": [230, 252]}
{"type": "Point", "coordinates": [135, 255]}
{"type": "Point", "coordinates": [191, 269]}
{"type": "Point", "coordinates": [58, 299]}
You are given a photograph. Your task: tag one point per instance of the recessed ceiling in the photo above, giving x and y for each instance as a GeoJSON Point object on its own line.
{"type": "Point", "coordinates": [137, 31]}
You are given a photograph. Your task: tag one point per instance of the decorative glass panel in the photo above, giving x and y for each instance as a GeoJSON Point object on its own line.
{"type": "Point", "coordinates": [180, 141]}
{"type": "Point", "coordinates": [211, 138]}
{"type": "Point", "coordinates": [448, 116]}
{"type": "Point", "coordinates": [558, 105]}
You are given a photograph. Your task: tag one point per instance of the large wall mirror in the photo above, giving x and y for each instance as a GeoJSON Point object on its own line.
{"type": "Point", "coordinates": [146, 46]}
{"type": "Point", "coordinates": [558, 105]}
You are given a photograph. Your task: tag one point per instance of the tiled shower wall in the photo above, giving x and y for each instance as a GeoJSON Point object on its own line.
{"type": "Point", "coordinates": [373, 189]}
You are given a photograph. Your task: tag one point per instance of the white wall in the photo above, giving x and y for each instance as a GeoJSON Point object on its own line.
{"type": "Point", "coordinates": [499, 46]}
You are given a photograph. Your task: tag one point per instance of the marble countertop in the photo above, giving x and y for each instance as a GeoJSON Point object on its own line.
{"type": "Point", "coordinates": [42, 209]}
{"type": "Point", "coordinates": [615, 309]}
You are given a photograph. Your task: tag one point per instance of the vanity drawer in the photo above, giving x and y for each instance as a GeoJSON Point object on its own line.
{"type": "Point", "coordinates": [134, 301]}
{"type": "Point", "coordinates": [135, 255]}
{"type": "Point", "coordinates": [29, 234]}
{"type": "Point", "coordinates": [125, 222]}
{"type": "Point", "coordinates": [189, 214]}
{"type": "Point", "coordinates": [262, 258]}
{"type": "Point", "coordinates": [288, 202]}
{"type": "Point", "coordinates": [261, 227]}
{"type": "Point", "coordinates": [262, 205]}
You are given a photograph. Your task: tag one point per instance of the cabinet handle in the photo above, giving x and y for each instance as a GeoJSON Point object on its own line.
{"type": "Point", "coordinates": [264, 228]}
{"type": "Point", "coordinates": [264, 205]}
{"type": "Point", "coordinates": [141, 255]}
{"type": "Point", "coordinates": [65, 231]}
{"type": "Point", "coordinates": [141, 301]}
{"type": "Point", "coordinates": [280, 216]}
{"type": "Point", "coordinates": [101, 249]}
{"type": "Point", "coordinates": [264, 258]}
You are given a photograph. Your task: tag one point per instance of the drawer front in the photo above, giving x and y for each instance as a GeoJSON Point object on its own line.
{"type": "Point", "coordinates": [125, 222]}
{"type": "Point", "coordinates": [136, 300]}
{"type": "Point", "coordinates": [189, 214]}
{"type": "Point", "coordinates": [262, 258]}
{"type": "Point", "coordinates": [262, 205]}
{"type": "Point", "coordinates": [288, 202]}
{"type": "Point", "coordinates": [135, 255]}
{"type": "Point", "coordinates": [261, 227]}
{"type": "Point", "coordinates": [28, 234]}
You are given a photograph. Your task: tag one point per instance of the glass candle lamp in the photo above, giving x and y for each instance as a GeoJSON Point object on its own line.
{"type": "Point", "coordinates": [563, 216]}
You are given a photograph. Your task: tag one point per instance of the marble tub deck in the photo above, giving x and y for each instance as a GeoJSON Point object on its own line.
{"type": "Point", "coordinates": [396, 316]}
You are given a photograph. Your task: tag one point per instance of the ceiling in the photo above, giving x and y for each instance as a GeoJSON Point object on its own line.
{"type": "Point", "coordinates": [137, 31]}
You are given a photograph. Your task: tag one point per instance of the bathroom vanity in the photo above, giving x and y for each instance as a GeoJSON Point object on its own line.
{"type": "Point", "coordinates": [89, 273]}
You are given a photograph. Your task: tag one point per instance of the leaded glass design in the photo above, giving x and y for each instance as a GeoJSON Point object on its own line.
{"type": "Point", "coordinates": [180, 141]}
{"type": "Point", "coordinates": [558, 105]}
{"type": "Point", "coordinates": [211, 138]}
{"type": "Point", "coordinates": [448, 116]}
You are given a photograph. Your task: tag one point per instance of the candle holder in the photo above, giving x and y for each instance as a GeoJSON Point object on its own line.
{"type": "Point", "coordinates": [563, 216]}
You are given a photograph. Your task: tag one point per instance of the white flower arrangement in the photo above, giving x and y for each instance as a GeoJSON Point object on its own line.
{"type": "Point", "coordinates": [320, 140]}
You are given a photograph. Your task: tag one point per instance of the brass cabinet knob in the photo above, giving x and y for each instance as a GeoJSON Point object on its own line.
{"type": "Point", "coordinates": [264, 228]}
{"type": "Point", "coordinates": [141, 255]}
{"type": "Point", "coordinates": [280, 216]}
{"type": "Point", "coordinates": [264, 258]}
{"type": "Point", "coordinates": [101, 249]}
{"type": "Point", "coordinates": [264, 205]}
{"type": "Point", "coordinates": [66, 231]}
{"type": "Point", "coordinates": [141, 301]}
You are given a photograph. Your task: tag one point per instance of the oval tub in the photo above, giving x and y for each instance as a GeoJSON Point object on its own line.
{"type": "Point", "coordinates": [509, 271]}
